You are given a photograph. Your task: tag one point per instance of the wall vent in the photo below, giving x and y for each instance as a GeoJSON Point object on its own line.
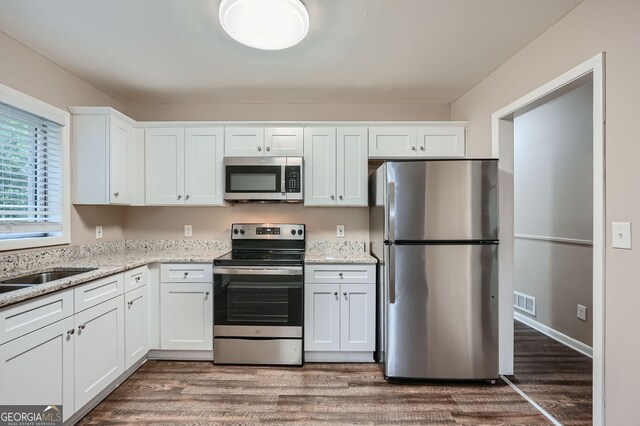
{"type": "Point", "coordinates": [524, 302]}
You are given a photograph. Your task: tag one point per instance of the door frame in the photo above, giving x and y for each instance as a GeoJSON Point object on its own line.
{"type": "Point", "coordinates": [502, 141]}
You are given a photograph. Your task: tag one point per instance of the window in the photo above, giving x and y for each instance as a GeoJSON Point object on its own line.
{"type": "Point", "coordinates": [33, 181]}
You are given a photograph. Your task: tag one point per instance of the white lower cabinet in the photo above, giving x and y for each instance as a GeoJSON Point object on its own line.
{"type": "Point", "coordinates": [186, 316]}
{"type": "Point", "coordinates": [136, 321]}
{"type": "Point", "coordinates": [38, 368]}
{"type": "Point", "coordinates": [99, 348]}
{"type": "Point", "coordinates": [339, 318]}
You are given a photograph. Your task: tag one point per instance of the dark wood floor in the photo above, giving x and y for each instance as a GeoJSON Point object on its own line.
{"type": "Point", "coordinates": [203, 393]}
{"type": "Point", "coordinates": [558, 378]}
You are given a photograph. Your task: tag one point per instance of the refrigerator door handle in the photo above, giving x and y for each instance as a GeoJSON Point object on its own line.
{"type": "Point", "coordinates": [392, 274]}
{"type": "Point", "coordinates": [391, 193]}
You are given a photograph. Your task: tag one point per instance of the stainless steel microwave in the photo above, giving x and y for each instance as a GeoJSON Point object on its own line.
{"type": "Point", "coordinates": [263, 179]}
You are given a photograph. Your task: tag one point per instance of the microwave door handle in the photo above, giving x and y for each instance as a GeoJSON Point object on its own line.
{"type": "Point", "coordinates": [282, 179]}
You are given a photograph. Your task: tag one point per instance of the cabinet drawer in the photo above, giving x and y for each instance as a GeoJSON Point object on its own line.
{"type": "Point", "coordinates": [186, 273]}
{"type": "Point", "coordinates": [136, 278]}
{"type": "Point", "coordinates": [338, 273]}
{"type": "Point", "coordinates": [98, 291]}
{"type": "Point", "coordinates": [18, 320]}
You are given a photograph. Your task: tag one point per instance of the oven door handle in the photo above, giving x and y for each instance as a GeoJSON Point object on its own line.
{"type": "Point", "coordinates": [285, 270]}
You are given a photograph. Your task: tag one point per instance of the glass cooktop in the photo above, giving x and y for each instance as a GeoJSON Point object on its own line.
{"type": "Point", "coordinates": [261, 258]}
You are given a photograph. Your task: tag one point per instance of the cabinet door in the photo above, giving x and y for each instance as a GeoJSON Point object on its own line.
{"type": "Point", "coordinates": [186, 316]}
{"type": "Point", "coordinates": [441, 142]}
{"type": "Point", "coordinates": [38, 368]}
{"type": "Point", "coordinates": [357, 317]}
{"type": "Point", "coordinates": [320, 166]}
{"type": "Point", "coordinates": [203, 168]}
{"type": "Point", "coordinates": [352, 166]}
{"type": "Point", "coordinates": [136, 325]}
{"type": "Point", "coordinates": [244, 141]}
{"type": "Point", "coordinates": [322, 317]}
{"type": "Point", "coordinates": [283, 142]}
{"type": "Point", "coordinates": [99, 349]}
{"type": "Point", "coordinates": [120, 144]}
{"type": "Point", "coordinates": [164, 161]}
{"type": "Point", "coordinates": [392, 142]}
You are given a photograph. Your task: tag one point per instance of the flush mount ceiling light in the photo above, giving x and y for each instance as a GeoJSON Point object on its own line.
{"type": "Point", "coordinates": [265, 24]}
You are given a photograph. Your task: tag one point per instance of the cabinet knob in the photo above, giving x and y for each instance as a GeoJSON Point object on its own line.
{"type": "Point", "coordinates": [333, 197]}
{"type": "Point", "coordinates": [259, 148]}
{"type": "Point", "coordinates": [413, 148]}
{"type": "Point", "coordinates": [206, 293]}
{"type": "Point", "coordinates": [116, 194]}
{"type": "Point", "coordinates": [137, 279]}
{"type": "Point", "coordinates": [81, 327]}
{"type": "Point", "coordinates": [335, 294]}
{"type": "Point", "coordinates": [268, 148]}
{"type": "Point", "coordinates": [186, 274]}
{"type": "Point", "coordinates": [340, 274]}
{"type": "Point", "coordinates": [345, 293]}
{"type": "Point", "coordinates": [340, 196]}
{"type": "Point", "coordinates": [179, 197]}
{"type": "Point", "coordinates": [70, 332]}
{"type": "Point", "coordinates": [187, 197]}
{"type": "Point", "coordinates": [130, 303]}
{"type": "Point", "coordinates": [422, 148]}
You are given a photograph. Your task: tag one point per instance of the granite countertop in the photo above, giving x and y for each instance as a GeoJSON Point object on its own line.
{"type": "Point", "coordinates": [319, 252]}
{"type": "Point", "coordinates": [109, 262]}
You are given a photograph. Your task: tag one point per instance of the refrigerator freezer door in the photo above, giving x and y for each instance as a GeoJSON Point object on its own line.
{"type": "Point", "coordinates": [442, 200]}
{"type": "Point", "coordinates": [443, 323]}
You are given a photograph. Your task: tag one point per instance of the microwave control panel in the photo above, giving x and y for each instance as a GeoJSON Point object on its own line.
{"type": "Point", "coordinates": [292, 178]}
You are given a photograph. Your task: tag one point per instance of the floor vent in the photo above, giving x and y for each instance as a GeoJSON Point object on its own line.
{"type": "Point", "coordinates": [524, 302]}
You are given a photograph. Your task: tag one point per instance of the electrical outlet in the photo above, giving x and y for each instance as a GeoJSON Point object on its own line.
{"type": "Point", "coordinates": [340, 231]}
{"type": "Point", "coordinates": [188, 231]}
{"type": "Point", "coordinates": [98, 232]}
{"type": "Point", "coordinates": [582, 312]}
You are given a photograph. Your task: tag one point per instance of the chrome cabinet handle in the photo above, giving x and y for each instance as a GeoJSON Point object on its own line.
{"type": "Point", "coordinates": [187, 197]}
{"type": "Point", "coordinates": [345, 294]}
{"type": "Point", "coordinates": [268, 148]}
{"type": "Point", "coordinates": [206, 293]}
{"type": "Point", "coordinates": [70, 332]}
{"type": "Point", "coordinates": [81, 327]}
{"type": "Point", "coordinates": [179, 197]}
{"type": "Point", "coordinates": [340, 275]}
{"type": "Point", "coordinates": [340, 197]}
{"type": "Point", "coordinates": [130, 303]}
{"type": "Point", "coordinates": [335, 294]}
{"type": "Point", "coordinates": [413, 148]}
{"type": "Point", "coordinates": [422, 148]}
{"type": "Point", "coordinates": [186, 274]}
{"type": "Point", "coordinates": [116, 194]}
{"type": "Point", "coordinates": [259, 148]}
{"type": "Point", "coordinates": [333, 197]}
{"type": "Point", "coordinates": [137, 279]}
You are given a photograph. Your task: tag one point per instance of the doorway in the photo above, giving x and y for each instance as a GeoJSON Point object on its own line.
{"type": "Point", "coordinates": [590, 72]}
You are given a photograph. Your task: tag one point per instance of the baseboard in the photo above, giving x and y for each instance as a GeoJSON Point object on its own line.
{"type": "Point", "coordinates": [180, 355]}
{"type": "Point", "coordinates": [338, 357]}
{"type": "Point", "coordinates": [574, 344]}
{"type": "Point", "coordinates": [78, 415]}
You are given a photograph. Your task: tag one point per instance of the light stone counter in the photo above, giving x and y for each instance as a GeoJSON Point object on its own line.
{"type": "Point", "coordinates": [319, 252]}
{"type": "Point", "coordinates": [108, 258]}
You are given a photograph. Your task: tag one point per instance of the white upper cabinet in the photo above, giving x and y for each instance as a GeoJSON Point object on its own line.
{"type": "Point", "coordinates": [440, 140]}
{"type": "Point", "coordinates": [335, 163]}
{"type": "Point", "coordinates": [263, 142]}
{"type": "Point", "coordinates": [320, 166]}
{"type": "Point", "coordinates": [106, 155]}
{"type": "Point", "coordinates": [164, 160]}
{"type": "Point", "coordinates": [184, 166]}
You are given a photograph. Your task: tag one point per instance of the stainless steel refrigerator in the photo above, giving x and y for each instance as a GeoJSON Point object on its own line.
{"type": "Point", "coordinates": [434, 229]}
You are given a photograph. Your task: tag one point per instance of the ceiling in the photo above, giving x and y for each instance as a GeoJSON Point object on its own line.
{"type": "Point", "coordinates": [357, 51]}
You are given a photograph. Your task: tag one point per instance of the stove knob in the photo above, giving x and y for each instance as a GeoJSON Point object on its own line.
{"type": "Point", "coordinates": [299, 231]}
{"type": "Point", "coordinates": [293, 232]}
{"type": "Point", "coordinates": [235, 231]}
{"type": "Point", "coordinates": [242, 231]}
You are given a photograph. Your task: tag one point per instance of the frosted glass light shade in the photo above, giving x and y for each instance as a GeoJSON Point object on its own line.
{"type": "Point", "coordinates": [265, 24]}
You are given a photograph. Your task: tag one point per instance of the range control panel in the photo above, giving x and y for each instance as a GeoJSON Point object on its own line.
{"type": "Point", "coordinates": [267, 231]}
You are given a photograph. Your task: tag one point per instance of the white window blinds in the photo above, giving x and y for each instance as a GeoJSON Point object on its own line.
{"type": "Point", "coordinates": [30, 175]}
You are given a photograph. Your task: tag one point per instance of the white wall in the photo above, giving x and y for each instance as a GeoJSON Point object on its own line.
{"type": "Point", "coordinates": [594, 26]}
{"type": "Point", "coordinates": [553, 162]}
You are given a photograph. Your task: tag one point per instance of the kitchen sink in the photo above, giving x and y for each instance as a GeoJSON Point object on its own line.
{"type": "Point", "coordinates": [41, 278]}
{"type": "Point", "coordinates": [6, 288]}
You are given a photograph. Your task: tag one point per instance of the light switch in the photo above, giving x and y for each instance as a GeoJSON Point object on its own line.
{"type": "Point", "coordinates": [621, 235]}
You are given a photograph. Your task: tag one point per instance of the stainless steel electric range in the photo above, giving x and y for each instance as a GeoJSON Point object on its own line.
{"type": "Point", "coordinates": [258, 296]}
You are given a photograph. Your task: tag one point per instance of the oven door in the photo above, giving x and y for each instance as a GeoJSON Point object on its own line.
{"type": "Point", "coordinates": [258, 302]}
